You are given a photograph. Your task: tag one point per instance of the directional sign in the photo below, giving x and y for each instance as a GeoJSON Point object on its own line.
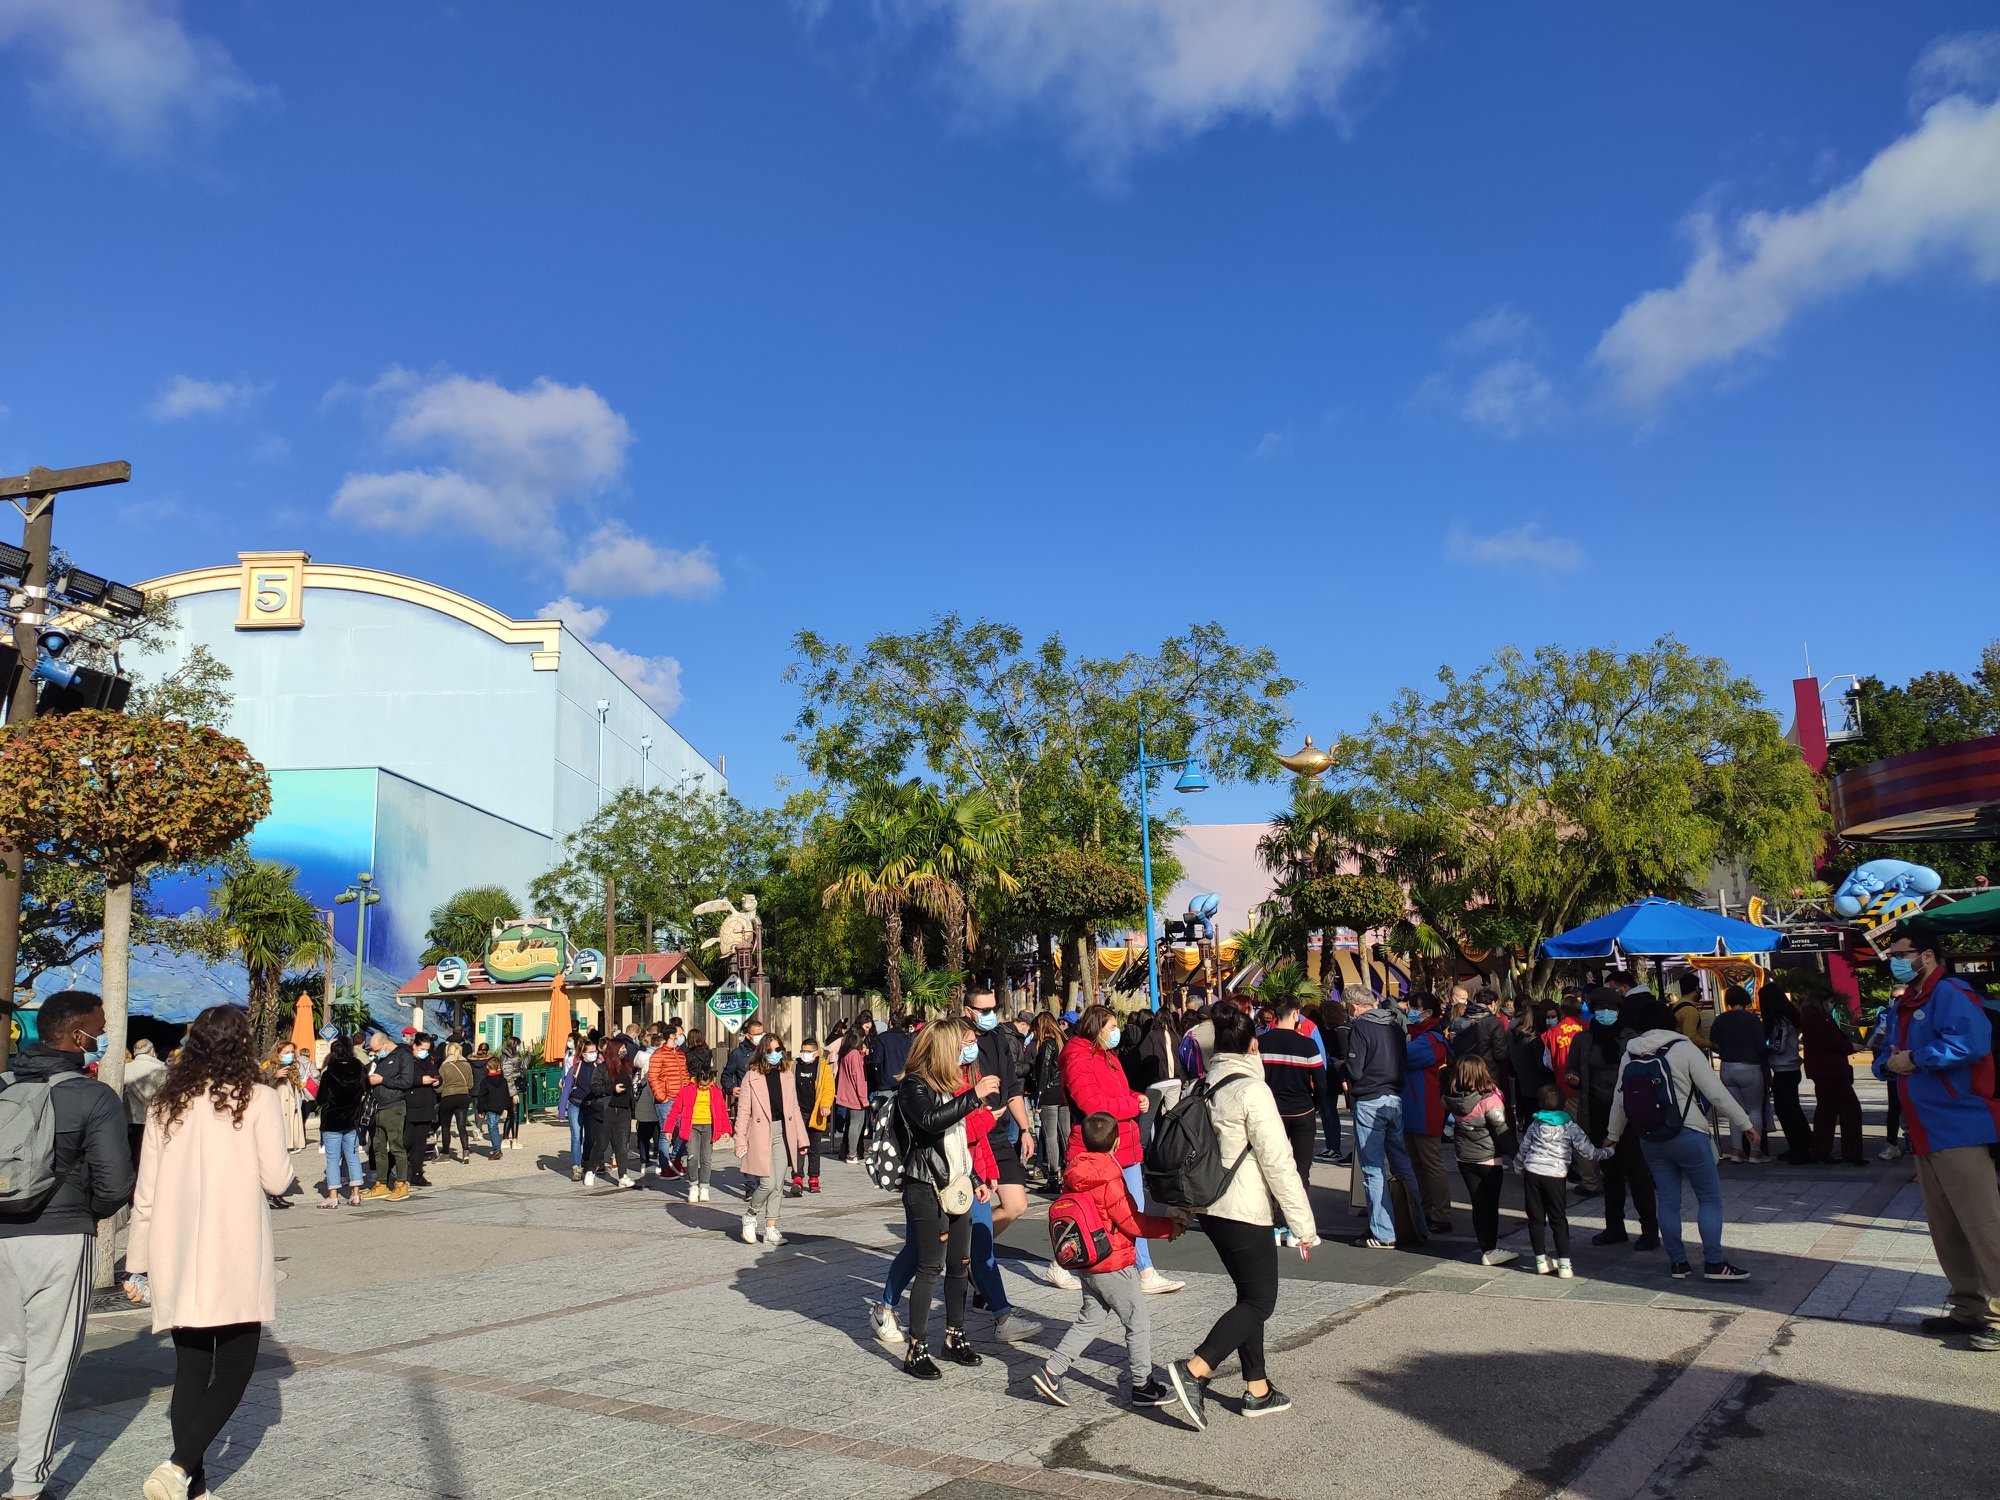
{"type": "Point", "coordinates": [733, 1003]}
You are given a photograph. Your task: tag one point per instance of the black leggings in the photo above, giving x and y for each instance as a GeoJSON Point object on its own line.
{"type": "Point", "coordinates": [1792, 1116]}
{"type": "Point", "coordinates": [1626, 1169]}
{"type": "Point", "coordinates": [452, 1112]}
{"type": "Point", "coordinates": [617, 1137]}
{"type": "Point", "coordinates": [944, 1245]}
{"type": "Point", "coordinates": [1548, 1205]}
{"type": "Point", "coordinates": [212, 1368]}
{"type": "Point", "coordinates": [1483, 1185]}
{"type": "Point", "coordinates": [1250, 1255]}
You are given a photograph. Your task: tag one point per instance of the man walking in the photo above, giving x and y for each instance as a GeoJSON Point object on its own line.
{"type": "Point", "coordinates": [1940, 1060]}
{"type": "Point", "coordinates": [1375, 1062]}
{"type": "Point", "coordinates": [1423, 1104]}
{"type": "Point", "coordinates": [143, 1076]}
{"type": "Point", "coordinates": [392, 1073]}
{"type": "Point", "coordinates": [1296, 1072]}
{"type": "Point", "coordinates": [1013, 1145]}
{"type": "Point", "coordinates": [48, 1244]}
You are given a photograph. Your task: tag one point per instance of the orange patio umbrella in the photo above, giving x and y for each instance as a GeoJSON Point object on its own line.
{"type": "Point", "coordinates": [560, 1023]}
{"type": "Point", "coordinates": [302, 1026]}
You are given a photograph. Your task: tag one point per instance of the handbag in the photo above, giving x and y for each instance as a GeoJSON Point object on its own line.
{"type": "Point", "coordinates": [955, 1197]}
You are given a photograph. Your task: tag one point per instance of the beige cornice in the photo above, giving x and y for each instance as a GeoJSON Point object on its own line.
{"type": "Point", "coordinates": [544, 636]}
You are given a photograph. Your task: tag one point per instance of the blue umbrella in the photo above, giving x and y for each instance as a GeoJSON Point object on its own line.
{"type": "Point", "coordinates": [1653, 927]}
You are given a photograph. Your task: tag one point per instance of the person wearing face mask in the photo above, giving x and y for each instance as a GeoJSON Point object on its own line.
{"type": "Point", "coordinates": [770, 1134]}
{"type": "Point", "coordinates": [1376, 1060]}
{"type": "Point", "coordinates": [513, 1068]}
{"type": "Point", "coordinates": [812, 1078]}
{"type": "Point", "coordinates": [740, 1057]}
{"type": "Point", "coordinates": [589, 1087]}
{"type": "Point", "coordinates": [667, 1073]}
{"type": "Point", "coordinates": [422, 1117]}
{"type": "Point", "coordinates": [1593, 1062]}
{"type": "Point", "coordinates": [1096, 1084]}
{"type": "Point", "coordinates": [392, 1073]}
{"type": "Point", "coordinates": [48, 1245]}
{"type": "Point", "coordinates": [1826, 1047]}
{"type": "Point", "coordinates": [281, 1072]}
{"type": "Point", "coordinates": [1426, 1054]}
{"type": "Point", "coordinates": [1939, 1057]}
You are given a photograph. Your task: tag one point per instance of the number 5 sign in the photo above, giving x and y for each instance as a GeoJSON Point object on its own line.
{"type": "Point", "coordinates": [271, 594]}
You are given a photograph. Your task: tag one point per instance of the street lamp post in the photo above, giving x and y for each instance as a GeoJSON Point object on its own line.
{"type": "Point", "coordinates": [645, 762]}
{"type": "Point", "coordinates": [603, 718]}
{"type": "Point", "coordinates": [362, 894]}
{"type": "Point", "coordinates": [1191, 780]}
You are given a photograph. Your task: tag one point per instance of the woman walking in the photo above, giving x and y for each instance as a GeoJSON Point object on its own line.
{"type": "Point", "coordinates": [513, 1068]}
{"type": "Point", "coordinates": [343, 1083]}
{"type": "Point", "coordinates": [939, 1185]}
{"type": "Point", "coordinates": [1045, 1093]}
{"type": "Point", "coordinates": [1096, 1084]}
{"type": "Point", "coordinates": [201, 1232]}
{"type": "Point", "coordinates": [770, 1137]}
{"type": "Point", "coordinates": [1827, 1048]}
{"type": "Point", "coordinates": [281, 1072]}
{"type": "Point", "coordinates": [588, 1089]}
{"type": "Point", "coordinates": [850, 1092]}
{"type": "Point", "coordinates": [619, 1103]}
{"type": "Point", "coordinates": [1783, 1056]}
{"type": "Point", "coordinates": [455, 1103]}
{"type": "Point", "coordinates": [1251, 1136]}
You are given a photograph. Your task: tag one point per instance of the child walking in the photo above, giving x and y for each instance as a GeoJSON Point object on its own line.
{"type": "Point", "coordinates": [1549, 1143]}
{"type": "Point", "coordinates": [1111, 1291]}
{"type": "Point", "coordinates": [1483, 1142]}
{"type": "Point", "coordinates": [697, 1119]}
{"type": "Point", "coordinates": [493, 1100]}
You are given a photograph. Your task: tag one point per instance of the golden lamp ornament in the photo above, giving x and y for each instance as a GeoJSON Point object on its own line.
{"type": "Point", "coordinates": [1308, 760]}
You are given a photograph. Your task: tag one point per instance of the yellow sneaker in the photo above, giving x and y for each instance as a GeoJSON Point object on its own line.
{"type": "Point", "coordinates": [380, 1190]}
{"type": "Point", "coordinates": [399, 1192]}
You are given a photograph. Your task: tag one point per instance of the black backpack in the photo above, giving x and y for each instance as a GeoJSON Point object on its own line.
{"type": "Point", "coordinates": [1184, 1164]}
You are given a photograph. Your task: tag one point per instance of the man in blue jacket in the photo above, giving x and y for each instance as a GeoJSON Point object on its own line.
{"type": "Point", "coordinates": [1940, 1059]}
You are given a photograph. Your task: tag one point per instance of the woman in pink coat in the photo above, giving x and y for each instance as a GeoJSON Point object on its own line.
{"type": "Point", "coordinates": [850, 1092]}
{"type": "Point", "coordinates": [214, 1156]}
{"type": "Point", "coordinates": [770, 1135]}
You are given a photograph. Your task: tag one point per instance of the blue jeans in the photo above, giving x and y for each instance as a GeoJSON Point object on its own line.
{"type": "Point", "coordinates": [343, 1148]}
{"type": "Point", "coordinates": [1135, 1184]}
{"type": "Point", "coordinates": [985, 1268]}
{"type": "Point", "coordinates": [1378, 1136]}
{"type": "Point", "coordinates": [576, 1137]}
{"type": "Point", "coordinates": [495, 1124]}
{"type": "Point", "coordinates": [1689, 1157]}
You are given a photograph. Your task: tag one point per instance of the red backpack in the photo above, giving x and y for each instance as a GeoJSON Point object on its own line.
{"type": "Point", "coordinates": [1078, 1236]}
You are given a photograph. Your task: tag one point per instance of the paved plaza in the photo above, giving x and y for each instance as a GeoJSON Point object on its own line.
{"type": "Point", "coordinates": [510, 1334]}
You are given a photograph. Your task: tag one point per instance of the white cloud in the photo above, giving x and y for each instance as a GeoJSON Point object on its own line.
{"type": "Point", "coordinates": [657, 679]}
{"type": "Point", "coordinates": [616, 561]}
{"type": "Point", "coordinates": [1503, 327]}
{"type": "Point", "coordinates": [1932, 196]}
{"type": "Point", "coordinates": [1967, 63]}
{"type": "Point", "coordinates": [1273, 444]}
{"type": "Point", "coordinates": [187, 396]}
{"type": "Point", "coordinates": [126, 73]}
{"type": "Point", "coordinates": [1121, 77]}
{"type": "Point", "coordinates": [509, 459]}
{"type": "Point", "coordinates": [1524, 547]}
{"type": "Point", "coordinates": [1509, 394]}
{"type": "Point", "coordinates": [1509, 397]}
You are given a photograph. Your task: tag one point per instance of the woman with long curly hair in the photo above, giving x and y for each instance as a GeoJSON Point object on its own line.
{"type": "Point", "coordinates": [201, 1231]}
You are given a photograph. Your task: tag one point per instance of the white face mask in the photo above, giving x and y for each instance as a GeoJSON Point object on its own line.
{"type": "Point", "coordinates": [590, 1057]}
{"type": "Point", "coordinates": [807, 1056]}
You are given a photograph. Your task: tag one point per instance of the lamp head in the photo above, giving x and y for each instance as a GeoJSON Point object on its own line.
{"type": "Point", "coordinates": [1191, 779]}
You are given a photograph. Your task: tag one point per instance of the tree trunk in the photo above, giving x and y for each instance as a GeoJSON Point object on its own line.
{"type": "Point", "coordinates": [954, 945]}
{"type": "Point", "coordinates": [117, 968]}
{"type": "Point", "coordinates": [1045, 968]}
{"type": "Point", "coordinates": [1083, 980]}
{"type": "Point", "coordinates": [264, 1000]}
{"type": "Point", "coordinates": [892, 945]}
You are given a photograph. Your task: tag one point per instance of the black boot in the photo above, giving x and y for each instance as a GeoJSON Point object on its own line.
{"type": "Point", "coordinates": [917, 1361]}
{"type": "Point", "coordinates": [957, 1350]}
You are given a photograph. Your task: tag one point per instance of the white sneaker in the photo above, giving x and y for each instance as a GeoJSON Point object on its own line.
{"type": "Point", "coordinates": [1543, 1265]}
{"type": "Point", "coordinates": [1563, 1270]}
{"type": "Point", "coordinates": [771, 1235]}
{"type": "Point", "coordinates": [628, 1181]}
{"type": "Point", "coordinates": [590, 1179]}
{"type": "Point", "coordinates": [883, 1321]}
{"type": "Point", "coordinates": [1067, 1281]}
{"type": "Point", "coordinates": [166, 1483]}
{"type": "Point", "coordinates": [1891, 1152]}
{"type": "Point", "coordinates": [514, 1145]}
{"type": "Point", "coordinates": [704, 1192]}
{"type": "Point", "coordinates": [749, 1229]}
{"type": "Point", "coordinates": [1284, 1238]}
{"type": "Point", "coordinates": [1150, 1280]}
{"type": "Point", "coordinates": [1498, 1257]}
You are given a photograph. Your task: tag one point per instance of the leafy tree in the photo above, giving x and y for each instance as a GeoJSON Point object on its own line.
{"type": "Point", "coordinates": [929, 991]}
{"type": "Point", "coordinates": [461, 925]}
{"type": "Point", "coordinates": [1287, 980]}
{"type": "Point", "coordinates": [808, 944]}
{"type": "Point", "coordinates": [1935, 708]}
{"type": "Point", "coordinates": [870, 856]}
{"type": "Point", "coordinates": [961, 844]}
{"type": "Point", "coordinates": [1318, 836]}
{"type": "Point", "coordinates": [270, 925]}
{"type": "Point", "coordinates": [1566, 784]}
{"type": "Point", "coordinates": [1073, 894]}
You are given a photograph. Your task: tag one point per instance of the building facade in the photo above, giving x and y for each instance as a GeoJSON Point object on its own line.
{"type": "Point", "coordinates": [413, 732]}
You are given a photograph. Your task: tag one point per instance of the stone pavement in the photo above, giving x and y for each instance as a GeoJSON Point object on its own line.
{"type": "Point", "coordinates": [511, 1334]}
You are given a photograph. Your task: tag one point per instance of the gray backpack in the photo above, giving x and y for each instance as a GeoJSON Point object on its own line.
{"type": "Point", "coordinates": [28, 1141]}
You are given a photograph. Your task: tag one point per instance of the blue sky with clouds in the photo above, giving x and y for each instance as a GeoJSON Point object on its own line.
{"type": "Point", "coordinates": [1384, 334]}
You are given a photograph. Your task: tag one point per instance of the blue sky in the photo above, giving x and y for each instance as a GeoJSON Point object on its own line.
{"type": "Point", "coordinates": [1386, 335]}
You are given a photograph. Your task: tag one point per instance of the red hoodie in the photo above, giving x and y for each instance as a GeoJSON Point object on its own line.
{"type": "Point", "coordinates": [1096, 1174]}
{"type": "Point", "coordinates": [1097, 1085]}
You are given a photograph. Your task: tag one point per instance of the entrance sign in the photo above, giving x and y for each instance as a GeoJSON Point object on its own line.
{"type": "Point", "coordinates": [733, 1003]}
{"type": "Point", "coordinates": [526, 951]}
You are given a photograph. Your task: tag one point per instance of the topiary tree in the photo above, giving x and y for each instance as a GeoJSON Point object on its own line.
{"type": "Point", "coordinates": [1071, 894]}
{"type": "Point", "coordinates": [115, 795]}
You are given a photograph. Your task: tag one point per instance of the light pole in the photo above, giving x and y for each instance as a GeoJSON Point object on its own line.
{"type": "Point", "coordinates": [645, 762]}
{"type": "Point", "coordinates": [1191, 780]}
{"type": "Point", "coordinates": [363, 895]}
{"type": "Point", "coordinates": [603, 718]}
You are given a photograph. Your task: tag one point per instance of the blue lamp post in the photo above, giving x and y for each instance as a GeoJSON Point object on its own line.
{"type": "Point", "coordinates": [1190, 780]}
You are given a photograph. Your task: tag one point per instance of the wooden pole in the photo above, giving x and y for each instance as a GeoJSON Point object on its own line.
{"type": "Point", "coordinates": [326, 975]}
{"type": "Point", "coordinates": [608, 1023]}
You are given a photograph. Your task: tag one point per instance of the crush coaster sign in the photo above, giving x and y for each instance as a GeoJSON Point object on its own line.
{"type": "Point", "coordinates": [733, 1003]}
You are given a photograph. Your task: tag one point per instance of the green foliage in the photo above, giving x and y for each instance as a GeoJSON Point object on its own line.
{"type": "Point", "coordinates": [1362, 902]}
{"type": "Point", "coordinates": [461, 925]}
{"type": "Point", "coordinates": [808, 944]}
{"type": "Point", "coordinates": [270, 925]}
{"type": "Point", "coordinates": [1552, 788]}
{"type": "Point", "coordinates": [1287, 980]}
{"type": "Point", "coordinates": [1072, 891]}
{"type": "Point", "coordinates": [670, 849]}
{"type": "Point", "coordinates": [1935, 708]}
{"type": "Point", "coordinates": [929, 991]}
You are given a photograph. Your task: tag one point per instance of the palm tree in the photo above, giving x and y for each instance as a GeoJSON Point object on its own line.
{"type": "Point", "coordinates": [1321, 833]}
{"type": "Point", "coordinates": [870, 855]}
{"type": "Point", "coordinates": [460, 927]}
{"type": "Point", "coordinates": [928, 990]}
{"type": "Point", "coordinates": [272, 926]}
{"type": "Point", "coordinates": [960, 848]}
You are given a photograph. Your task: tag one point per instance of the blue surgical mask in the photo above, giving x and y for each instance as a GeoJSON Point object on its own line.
{"type": "Point", "coordinates": [99, 1045]}
{"type": "Point", "coordinates": [969, 1053]}
{"type": "Point", "coordinates": [986, 1020]}
{"type": "Point", "coordinates": [1608, 1017]}
{"type": "Point", "coordinates": [775, 1055]}
{"type": "Point", "coordinates": [1111, 1035]}
{"type": "Point", "coordinates": [1903, 970]}
{"type": "Point", "coordinates": [1412, 1016]}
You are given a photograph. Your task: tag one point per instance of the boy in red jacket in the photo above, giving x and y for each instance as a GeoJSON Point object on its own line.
{"type": "Point", "coordinates": [1111, 1287]}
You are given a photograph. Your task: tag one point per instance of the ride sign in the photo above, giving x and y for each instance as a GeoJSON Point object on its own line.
{"type": "Point", "coordinates": [733, 1003]}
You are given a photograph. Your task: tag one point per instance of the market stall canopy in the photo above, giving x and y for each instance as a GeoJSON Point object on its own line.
{"type": "Point", "coordinates": [1979, 913]}
{"type": "Point", "coordinates": [1656, 928]}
